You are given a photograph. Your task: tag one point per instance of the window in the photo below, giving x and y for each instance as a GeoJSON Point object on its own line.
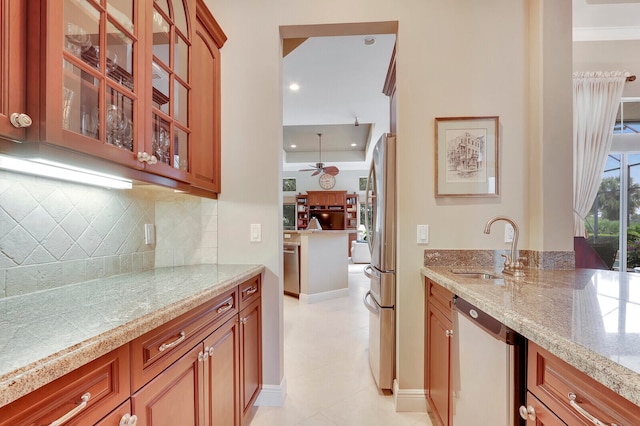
{"type": "Point", "coordinates": [289, 217]}
{"type": "Point", "coordinates": [619, 191]}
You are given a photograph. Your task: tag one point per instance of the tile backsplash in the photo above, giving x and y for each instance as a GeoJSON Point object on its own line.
{"type": "Point", "coordinates": [54, 233]}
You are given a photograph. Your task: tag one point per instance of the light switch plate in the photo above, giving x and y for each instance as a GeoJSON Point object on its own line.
{"type": "Point", "coordinates": [508, 233]}
{"type": "Point", "coordinates": [149, 233]}
{"type": "Point", "coordinates": [423, 234]}
{"type": "Point", "coordinates": [256, 233]}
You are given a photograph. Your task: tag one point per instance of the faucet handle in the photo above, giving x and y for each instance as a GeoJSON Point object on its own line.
{"type": "Point", "coordinates": [507, 261]}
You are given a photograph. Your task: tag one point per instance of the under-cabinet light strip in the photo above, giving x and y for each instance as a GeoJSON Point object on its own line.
{"type": "Point", "coordinates": [41, 167]}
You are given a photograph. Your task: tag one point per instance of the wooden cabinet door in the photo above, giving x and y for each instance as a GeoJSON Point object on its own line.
{"type": "Point", "coordinates": [121, 416]}
{"type": "Point", "coordinates": [13, 53]}
{"type": "Point", "coordinates": [175, 397]}
{"type": "Point", "coordinates": [222, 375]}
{"type": "Point", "coordinates": [335, 199]}
{"type": "Point", "coordinates": [205, 144]}
{"type": "Point", "coordinates": [250, 356]}
{"type": "Point", "coordinates": [439, 364]}
{"type": "Point", "coordinates": [543, 416]}
{"type": "Point", "coordinates": [317, 198]}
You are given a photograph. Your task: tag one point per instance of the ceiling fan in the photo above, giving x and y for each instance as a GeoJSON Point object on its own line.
{"type": "Point", "coordinates": [319, 166]}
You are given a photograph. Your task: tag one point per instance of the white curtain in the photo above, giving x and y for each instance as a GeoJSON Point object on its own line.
{"type": "Point", "coordinates": [596, 96]}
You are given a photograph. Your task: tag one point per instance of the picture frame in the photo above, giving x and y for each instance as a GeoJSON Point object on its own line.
{"type": "Point", "coordinates": [288, 184]}
{"type": "Point", "coordinates": [467, 156]}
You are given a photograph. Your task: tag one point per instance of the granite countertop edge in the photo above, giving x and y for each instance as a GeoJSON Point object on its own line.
{"type": "Point", "coordinates": [34, 375]}
{"type": "Point", "coordinates": [609, 373]}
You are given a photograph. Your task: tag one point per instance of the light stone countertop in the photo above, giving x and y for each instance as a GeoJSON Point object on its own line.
{"type": "Point", "coordinates": [47, 334]}
{"type": "Point", "coordinates": [589, 318]}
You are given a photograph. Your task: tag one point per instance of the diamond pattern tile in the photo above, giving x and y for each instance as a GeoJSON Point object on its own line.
{"type": "Point", "coordinates": [55, 233]}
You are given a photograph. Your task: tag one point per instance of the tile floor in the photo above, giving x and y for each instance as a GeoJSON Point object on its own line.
{"type": "Point", "coordinates": [327, 368]}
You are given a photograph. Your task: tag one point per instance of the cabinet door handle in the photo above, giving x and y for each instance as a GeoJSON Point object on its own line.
{"type": "Point", "coordinates": [163, 347]}
{"type": "Point", "coordinates": [71, 414]}
{"type": "Point", "coordinates": [243, 320]}
{"type": "Point", "coordinates": [527, 412]}
{"type": "Point", "coordinates": [584, 413]}
{"type": "Point", "coordinates": [128, 420]}
{"type": "Point", "coordinates": [251, 290]}
{"type": "Point", "coordinates": [448, 333]}
{"type": "Point", "coordinates": [224, 308]}
{"type": "Point", "coordinates": [20, 120]}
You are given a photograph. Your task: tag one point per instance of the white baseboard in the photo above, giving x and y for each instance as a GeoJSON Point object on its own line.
{"type": "Point", "coordinates": [272, 395]}
{"type": "Point", "coordinates": [321, 297]}
{"type": "Point", "coordinates": [409, 400]}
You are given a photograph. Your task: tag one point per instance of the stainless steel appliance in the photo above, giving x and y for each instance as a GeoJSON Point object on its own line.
{"type": "Point", "coordinates": [291, 259]}
{"type": "Point", "coordinates": [487, 369]}
{"type": "Point", "coordinates": [380, 201]}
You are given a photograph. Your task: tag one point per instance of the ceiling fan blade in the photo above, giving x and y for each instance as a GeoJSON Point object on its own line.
{"type": "Point", "coordinates": [307, 170]}
{"type": "Point", "coordinates": [317, 172]}
{"type": "Point", "coordinates": [331, 170]}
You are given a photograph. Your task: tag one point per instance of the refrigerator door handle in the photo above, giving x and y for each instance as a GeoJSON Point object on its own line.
{"type": "Point", "coordinates": [369, 205]}
{"type": "Point", "coordinates": [368, 271]}
{"type": "Point", "coordinates": [372, 308]}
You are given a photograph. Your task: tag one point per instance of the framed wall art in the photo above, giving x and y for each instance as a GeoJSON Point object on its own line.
{"type": "Point", "coordinates": [467, 157]}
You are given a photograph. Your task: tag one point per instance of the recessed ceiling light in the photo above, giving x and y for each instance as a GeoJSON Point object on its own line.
{"type": "Point", "coordinates": [369, 41]}
{"type": "Point", "coordinates": [354, 144]}
{"type": "Point", "coordinates": [294, 87]}
{"type": "Point", "coordinates": [294, 146]}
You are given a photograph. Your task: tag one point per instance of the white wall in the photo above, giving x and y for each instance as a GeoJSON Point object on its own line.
{"type": "Point", "coordinates": [463, 58]}
{"type": "Point", "coordinates": [346, 180]}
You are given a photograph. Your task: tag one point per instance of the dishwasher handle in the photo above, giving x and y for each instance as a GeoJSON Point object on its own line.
{"type": "Point", "coordinates": [486, 322]}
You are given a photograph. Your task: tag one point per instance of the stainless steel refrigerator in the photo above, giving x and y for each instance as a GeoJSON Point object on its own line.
{"type": "Point", "coordinates": [380, 218]}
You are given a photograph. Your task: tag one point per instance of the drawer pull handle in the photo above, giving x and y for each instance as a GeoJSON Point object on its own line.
{"type": "Point", "coordinates": [527, 413]}
{"type": "Point", "coordinates": [584, 413]}
{"type": "Point", "coordinates": [85, 400]}
{"type": "Point", "coordinates": [224, 308]}
{"type": "Point", "coordinates": [163, 347]}
{"type": "Point", "coordinates": [251, 290]}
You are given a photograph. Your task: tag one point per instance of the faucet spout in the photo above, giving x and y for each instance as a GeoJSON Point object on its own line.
{"type": "Point", "coordinates": [512, 264]}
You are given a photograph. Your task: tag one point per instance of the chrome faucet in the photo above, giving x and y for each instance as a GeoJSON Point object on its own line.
{"type": "Point", "coordinates": [512, 264]}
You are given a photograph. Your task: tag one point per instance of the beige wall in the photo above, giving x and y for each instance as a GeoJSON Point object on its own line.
{"type": "Point", "coordinates": [463, 58]}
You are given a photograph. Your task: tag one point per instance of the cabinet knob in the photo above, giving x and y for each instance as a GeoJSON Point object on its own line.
{"type": "Point", "coordinates": [527, 412]}
{"type": "Point", "coordinates": [449, 333]}
{"type": "Point", "coordinates": [20, 120]}
{"type": "Point", "coordinates": [128, 420]}
{"type": "Point", "coordinates": [144, 157]}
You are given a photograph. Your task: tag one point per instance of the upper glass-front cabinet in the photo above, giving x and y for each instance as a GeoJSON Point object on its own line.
{"type": "Point", "coordinates": [170, 81]}
{"type": "Point", "coordinates": [115, 80]}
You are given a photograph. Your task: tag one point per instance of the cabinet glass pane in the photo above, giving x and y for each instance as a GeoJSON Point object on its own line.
{"type": "Point", "coordinates": [180, 16]}
{"type": "Point", "coordinates": [161, 38]}
{"type": "Point", "coordinates": [81, 29]}
{"type": "Point", "coordinates": [181, 107]}
{"type": "Point", "coordinates": [160, 79]}
{"type": "Point", "coordinates": [161, 139]}
{"type": "Point", "coordinates": [181, 59]}
{"type": "Point", "coordinates": [119, 120]}
{"type": "Point", "coordinates": [80, 101]}
{"type": "Point", "coordinates": [181, 149]}
{"type": "Point", "coordinates": [122, 11]}
{"type": "Point", "coordinates": [119, 56]}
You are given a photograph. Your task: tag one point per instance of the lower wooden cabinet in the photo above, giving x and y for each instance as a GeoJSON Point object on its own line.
{"type": "Point", "coordinates": [573, 396]}
{"type": "Point", "coordinates": [222, 375]}
{"type": "Point", "coordinates": [203, 368]}
{"type": "Point", "coordinates": [438, 328]}
{"type": "Point", "coordinates": [250, 356]}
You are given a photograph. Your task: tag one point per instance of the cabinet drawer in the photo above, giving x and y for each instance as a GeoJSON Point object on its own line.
{"type": "Point", "coordinates": [440, 297]}
{"type": "Point", "coordinates": [154, 351]}
{"type": "Point", "coordinates": [102, 383]}
{"type": "Point", "coordinates": [552, 381]}
{"type": "Point", "coordinates": [121, 416]}
{"type": "Point", "coordinates": [249, 291]}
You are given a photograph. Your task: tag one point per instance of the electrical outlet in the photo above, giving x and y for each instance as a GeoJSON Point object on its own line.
{"type": "Point", "coordinates": [508, 233]}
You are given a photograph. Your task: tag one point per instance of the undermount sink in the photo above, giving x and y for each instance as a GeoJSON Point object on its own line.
{"type": "Point", "coordinates": [476, 275]}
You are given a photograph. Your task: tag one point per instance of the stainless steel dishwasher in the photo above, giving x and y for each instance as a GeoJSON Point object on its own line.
{"type": "Point", "coordinates": [488, 374]}
{"type": "Point", "coordinates": [291, 259]}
